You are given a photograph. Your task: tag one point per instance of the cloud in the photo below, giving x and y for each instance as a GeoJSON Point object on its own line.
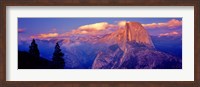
{"type": "Point", "coordinates": [21, 30]}
{"type": "Point", "coordinates": [46, 35]}
{"type": "Point", "coordinates": [92, 29]}
{"type": "Point", "coordinates": [89, 29]}
{"type": "Point", "coordinates": [121, 23]}
{"type": "Point", "coordinates": [169, 34]}
{"type": "Point", "coordinates": [172, 24]}
{"type": "Point", "coordinates": [96, 26]}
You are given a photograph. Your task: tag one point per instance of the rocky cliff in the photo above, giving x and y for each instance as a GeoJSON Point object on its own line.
{"type": "Point", "coordinates": [131, 48]}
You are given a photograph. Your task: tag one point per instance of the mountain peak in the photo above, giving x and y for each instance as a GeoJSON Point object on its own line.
{"type": "Point", "coordinates": [130, 32]}
{"type": "Point", "coordinates": [134, 31]}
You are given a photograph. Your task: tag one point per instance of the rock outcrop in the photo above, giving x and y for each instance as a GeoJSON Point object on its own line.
{"type": "Point", "coordinates": [131, 48]}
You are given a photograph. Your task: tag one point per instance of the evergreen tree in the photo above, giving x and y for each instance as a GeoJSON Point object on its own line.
{"type": "Point", "coordinates": [58, 61]}
{"type": "Point", "coordinates": [33, 49]}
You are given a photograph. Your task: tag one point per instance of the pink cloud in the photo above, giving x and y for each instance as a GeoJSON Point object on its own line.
{"type": "Point", "coordinates": [121, 23]}
{"type": "Point", "coordinates": [172, 24]}
{"type": "Point", "coordinates": [45, 35]}
{"type": "Point", "coordinates": [91, 29]}
{"type": "Point", "coordinates": [169, 34]}
{"type": "Point", "coordinates": [21, 30]}
{"type": "Point", "coordinates": [95, 26]}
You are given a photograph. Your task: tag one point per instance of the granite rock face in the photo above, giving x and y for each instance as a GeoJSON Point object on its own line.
{"type": "Point", "coordinates": [131, 48]}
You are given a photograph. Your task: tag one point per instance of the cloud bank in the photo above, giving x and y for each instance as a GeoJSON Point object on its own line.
{"type": "Point", "coordinates": [46, 35]}
{"type": "Point", "coordinates": [96, 26]}
{"type": "Point", "coordinates": [172, 24]}
{"type": "Point", "coordinates": [105, 28]}
{"type": "Point", "coordinates": [169, 34]}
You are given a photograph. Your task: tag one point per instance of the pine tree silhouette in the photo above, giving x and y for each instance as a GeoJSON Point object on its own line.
{"type": "Point", "coordinates": [58, 61]}
{"type": "Point", "coordinates": [33, 49]}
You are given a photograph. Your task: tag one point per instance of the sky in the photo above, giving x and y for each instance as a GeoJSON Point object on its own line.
{"type": "Point", "coordinates": [54, 27]}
